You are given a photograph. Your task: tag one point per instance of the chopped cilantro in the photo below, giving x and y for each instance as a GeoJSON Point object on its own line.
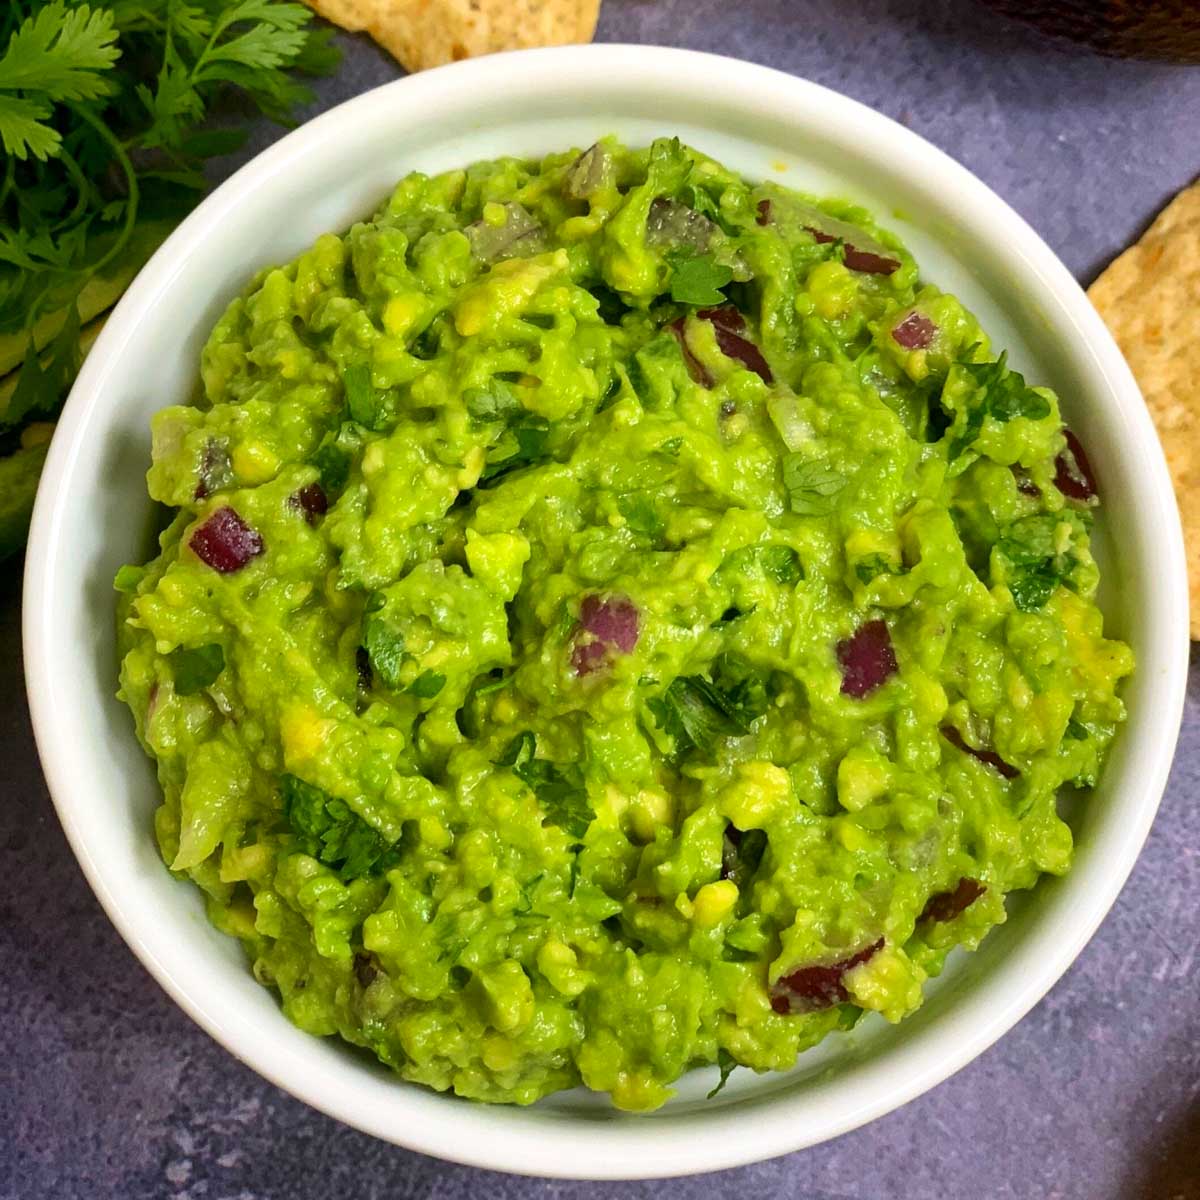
{"type": "Point", "coordinates": [1035, 565]}
{"type": "Point", "coordinates": [1000, 394]}
{"type": "Point", "coordinates": [848, 1016]}
{"type": "Point", "coordinates": [641, 516]}
{"type": "Point", "coordinates": [1076, 730]}
{"type": "Point", "coordinates": [334, 465]}
{"type": "Point", "coordinates": [726, 1064]}
{"type": "Point", "coordinates": [195, 669]}
{"type": "Point", "coordinates": [364, 402]}
{"type": "Point", "coordinates": [697, 278]}
{"type": "Point", "coordinates": [811, 485]}
{"type": "Point", "coordinates": [524, 443]}
{"type": "Point", "coordinates": [559, 790]}
{"type": "Point", "coordinates": [328, 830]}
{"type": "Point", "coordinates": [872, 566]}
{"type": "Point", "coordinates": [493, 685]}
{"type": "Point", "coordinates": [694, 712]}
{"type": "Point", "coordinates": [781, 563]}
{"type": "Point", "coordinates": [384, 646]}
{"type": "Point", "coordinates": [427, 685]}
{"type": "Point", "coordinates": [495, 402]}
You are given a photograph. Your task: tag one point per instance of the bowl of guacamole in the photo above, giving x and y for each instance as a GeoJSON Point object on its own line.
{"type": "Point", "coordinates": [625, 634]}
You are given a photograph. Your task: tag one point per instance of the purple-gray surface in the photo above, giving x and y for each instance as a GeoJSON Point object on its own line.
{"type": "Point", "coordinates": [107, 1090]}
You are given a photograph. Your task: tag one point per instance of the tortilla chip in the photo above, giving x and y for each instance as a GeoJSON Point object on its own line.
{"type": "Point", "coordinates": [427, 33]}
{"type": "Point", "coordinates": [1150, 297]}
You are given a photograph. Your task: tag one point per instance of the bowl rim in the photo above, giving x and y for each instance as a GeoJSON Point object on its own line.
{"type": "Point", "coordinates": [719, 1139]}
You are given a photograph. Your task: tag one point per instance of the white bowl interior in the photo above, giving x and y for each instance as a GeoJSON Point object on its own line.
{"type": "Point", "coordinates": [93, 515]}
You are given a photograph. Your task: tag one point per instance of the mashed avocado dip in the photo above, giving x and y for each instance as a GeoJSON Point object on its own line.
{"type": "Point", "coordinates": [616, 618]}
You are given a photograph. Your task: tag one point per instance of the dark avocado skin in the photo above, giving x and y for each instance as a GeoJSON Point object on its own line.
{"type": "Point", "coordinates": [1163, 29]}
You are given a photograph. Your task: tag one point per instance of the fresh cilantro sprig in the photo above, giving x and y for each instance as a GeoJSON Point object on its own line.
{"type": "Point", "coordinates": [102, 113]}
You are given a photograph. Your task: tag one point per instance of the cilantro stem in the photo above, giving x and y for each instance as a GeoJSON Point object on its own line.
{"type": "Point", "coordinates": [133, 198]}
{"type": "Point", "coordinates": [9, 175]}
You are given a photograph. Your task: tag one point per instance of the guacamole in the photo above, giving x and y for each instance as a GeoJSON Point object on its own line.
{"type": "Point", "coordinates": [616, 618]}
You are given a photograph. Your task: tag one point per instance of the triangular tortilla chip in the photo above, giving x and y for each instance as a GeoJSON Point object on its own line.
{"type": "Point", "coordinates": [427, 33]}
{"type": "Point", "coordinates": [1150, 297]}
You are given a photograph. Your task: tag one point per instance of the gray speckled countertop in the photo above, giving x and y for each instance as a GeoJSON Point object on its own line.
{"type": "Point", "coordinates": [108, 1090]}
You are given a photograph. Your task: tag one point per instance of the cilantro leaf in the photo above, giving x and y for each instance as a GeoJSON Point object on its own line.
{"type": "Point", "coordinates": [1034, 565]}
{"type": "Point", "coordinates": [812, 485]}
{"type": "Point", "coordinates": [641, 516]}
{"type": "Point", "coordinates": [334, 464]}
{"type": "Point", "coordinates": [45, 377]}
{"type": "Point", "coordinates": [364, 402]}
{"type": "Point", "coordinates": [1000, 394]}
{"type": "Point", "coordinates": [726, 1064]}
{"type": "Point", "coordinates": [427, 685]}
{"type": "Point", "coordinates": [524, 443]}
{"type": "Point", "coordinates": [696, 278]}
{"type": "Point", "coordinates": [495, 402]}
{"type": "Point", "coordinates": [57, 55]}
{"type": "Point", "coordinates": [849, 1015]}
{"type": "Point", "coordinates": [559, 790]}
{"type": "Point", "coordinates": [329, 830]}
{"type": "Point", "coordinates": [871, 566]}
{"type": "Point", "coordinates": [694, 712]}
{"type": "Point", "coordinates": [782, 564]}
{"type": "Point", "coordinates": [195, 669]}
{"type": "Point", "coordinates": [1006, 392]}
{"type": "Point", "coordinates": [385, 648]}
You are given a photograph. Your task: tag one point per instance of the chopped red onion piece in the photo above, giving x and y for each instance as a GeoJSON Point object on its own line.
{"type": "Point", "coordinates": [724, 316]}
{"type": "Point", "coordinates": [588, 657]}
{"type": "Point", "coordinates": [696, 369]}
{"type": "Point", "coordinates": [811, 988]}
{"type": "Point", "coordinates": [614, 620]}
{"type": "Point", "coordinates": [1072, 471]}
{"type": "Point", "coordinates": [987, 757]}
{"type": "Point", "coordinates": [225, 542]}
{"type": "Point", "coordinates": [915, 332]}
{"type": "Point", "coordinates": [311, 501]}
{"type": "Point", "coordinates": [729, 324]}
{"type": "Point", "coordinates": [867, 659]}
{"type": "Point", "coordinates": [866, 261]}
{"type": "Point", "coordinates": [945, 906]}
{"type": "Point", "coordinates": [764, 212]}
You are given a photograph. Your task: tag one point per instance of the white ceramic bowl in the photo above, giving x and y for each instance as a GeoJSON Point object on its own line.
{"type": "Point", "coordinates": [92, 515]}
